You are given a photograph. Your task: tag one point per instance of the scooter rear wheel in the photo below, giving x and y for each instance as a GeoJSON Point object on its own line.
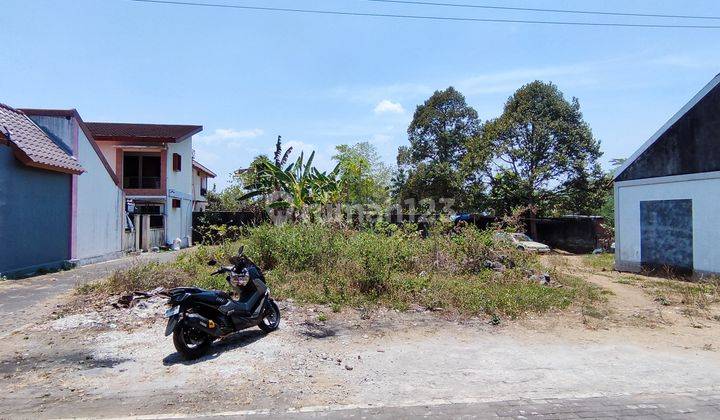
{"type": "Point", "coordinates": [271, 320]}
{"type": "Point", "coordinates": [190, 343]}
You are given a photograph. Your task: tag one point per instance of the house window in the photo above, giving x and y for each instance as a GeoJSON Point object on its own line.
{"type": "Point", "coordinates": [149, 209]}
{"type": "Point", "coordinates": [176, 203]}
{"type": "Point", "coordinates": [157, 221]}
{"type": "Point", "coordinates": [141, 171]}
{"type": "Point", "coordinates": [177, 162]}
{"type": "Point", "coordinates": [203, 186]}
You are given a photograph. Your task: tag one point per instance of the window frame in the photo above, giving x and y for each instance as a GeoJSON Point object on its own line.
{"type": "Point", "coordinates": [141, 156]}
{"type": "Point", "coordinates": [177, 162]}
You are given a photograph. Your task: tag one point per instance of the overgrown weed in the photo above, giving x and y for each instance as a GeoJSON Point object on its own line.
{"type": "Point", "coordinates": [385, 265]}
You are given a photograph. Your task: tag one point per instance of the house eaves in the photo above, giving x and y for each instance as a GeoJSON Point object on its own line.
{"type": "Point", "coordinates": [32, 146]}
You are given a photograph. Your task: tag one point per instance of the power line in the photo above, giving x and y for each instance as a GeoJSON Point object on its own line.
{"type": "Point", "coordinates": [531, 9]}
{"type": "Point", "coordinates": [423, 17]}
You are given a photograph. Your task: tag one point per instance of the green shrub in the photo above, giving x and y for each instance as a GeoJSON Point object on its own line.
{"type": "Point", "coordinates": [384, 264]}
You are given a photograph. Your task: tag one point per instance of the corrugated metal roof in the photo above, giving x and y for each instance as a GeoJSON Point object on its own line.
{"type": "Point", "coordinates": [33, 146]}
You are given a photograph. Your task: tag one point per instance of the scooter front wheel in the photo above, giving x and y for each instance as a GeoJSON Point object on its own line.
{"type": "Point", "coordinates": [190, 342]}
{"type": "Point", "coordinates": [271, 320]}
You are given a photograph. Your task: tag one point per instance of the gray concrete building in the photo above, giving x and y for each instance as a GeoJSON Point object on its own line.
{"type": "Point", "coordinates": [667, 194]}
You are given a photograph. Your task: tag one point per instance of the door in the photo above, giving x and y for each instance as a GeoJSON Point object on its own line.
{"type": "Point", "coordinates": [666, 234]}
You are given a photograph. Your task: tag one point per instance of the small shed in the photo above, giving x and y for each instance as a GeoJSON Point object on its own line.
{"type": "Point", "coordinates": [667, 194]}
{"type": "Point", "coordinates": [35, 196]}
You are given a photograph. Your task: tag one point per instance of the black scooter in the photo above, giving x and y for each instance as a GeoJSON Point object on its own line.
{"type": "Point", "coordinates": [198, 317]}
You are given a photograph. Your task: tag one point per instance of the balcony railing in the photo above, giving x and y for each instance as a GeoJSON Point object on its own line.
{"type": "Point", "coordinates": [146, 182]}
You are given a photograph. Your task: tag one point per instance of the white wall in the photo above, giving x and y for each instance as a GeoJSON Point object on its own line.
{"type": "Point", "coordinates": [702, 189]}
{"type": "Point", "coordinates": [200, 202]}
{"type": "Point", "coordinates": [179, 220]}
{"type": "Point", "coordinates": [197, 183]}
{"type": "Point", "coordinates": [109, 150]}
{"type": "Point", "coordinates": [100, 207]}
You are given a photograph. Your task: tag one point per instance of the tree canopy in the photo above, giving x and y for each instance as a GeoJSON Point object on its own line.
{"type": "Point", "coordinates": [364, 178]}
{"type": "Point", "coordinates": [544, 153]}
{"type": "Point", "coordinates": [439, 134]}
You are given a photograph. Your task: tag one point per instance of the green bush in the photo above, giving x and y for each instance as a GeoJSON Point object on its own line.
{"type": "Point", "coordinates": [384, 264]}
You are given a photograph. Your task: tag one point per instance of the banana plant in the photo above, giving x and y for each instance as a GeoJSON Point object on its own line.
{"type": "Point", "coordinates": [301, 183]}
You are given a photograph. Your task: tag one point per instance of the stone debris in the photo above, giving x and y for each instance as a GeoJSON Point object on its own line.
{"type": "Point", "coordinates": [86, 320]}
{"type": "Point", "coordinates": [543, 278]}
{"type": "Point", "coordinates": [131, 299]}
{"type": "Point", "coordinates": [136, 308]}
{"type": "Point", "coordinates": [494, 265]}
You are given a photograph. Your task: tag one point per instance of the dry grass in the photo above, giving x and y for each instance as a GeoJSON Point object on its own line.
{"type": "Point", "coordinates": [696, 299]}
{"type": "Point", "coordinates": [315, 263]}
{"type": "Point", "coordinates": [601, 262]}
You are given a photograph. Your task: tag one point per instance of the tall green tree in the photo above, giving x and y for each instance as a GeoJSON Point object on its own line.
{"type": "Point", "coordinates": [607, 208]}
{"type": "Point", "coordinates": [543, 149]}
{"type": "Point", "coordinates": [364, 177]}
{"type": "Point", "coordinates": [439, 135]}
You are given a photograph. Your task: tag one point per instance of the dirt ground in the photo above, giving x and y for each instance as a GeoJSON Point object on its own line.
{"type": "Point", "coordinates": [118, 363]}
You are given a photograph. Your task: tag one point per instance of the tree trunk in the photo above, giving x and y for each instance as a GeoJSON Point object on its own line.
{"type": "Point", "coordinates": [533, 216]}
{"type": "Point", "coordinates": [533, 226]}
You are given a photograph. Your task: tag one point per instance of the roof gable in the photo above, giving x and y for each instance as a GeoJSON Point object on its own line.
{"type": "Point", "coordinates": [680, 132]}
{"type": "Point", "coordinates": [73, 113]}
{"type": "Point", "coordinates": [32, 145]}
{"type": "Point", "coordinates": [202, 168]}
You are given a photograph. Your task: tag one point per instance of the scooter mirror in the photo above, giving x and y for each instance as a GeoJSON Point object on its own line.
{"type": "Point", "coordinates": [212, 262]}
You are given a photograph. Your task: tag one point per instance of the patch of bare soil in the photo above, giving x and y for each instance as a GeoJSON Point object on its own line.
{"type": "Point", "coordinates": [98, 361]}
{"type": "Point", "coordinates": [633, 302]}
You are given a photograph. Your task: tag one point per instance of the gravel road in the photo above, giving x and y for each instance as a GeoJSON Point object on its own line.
{"type": "Point", "coordinates": [117, 363]}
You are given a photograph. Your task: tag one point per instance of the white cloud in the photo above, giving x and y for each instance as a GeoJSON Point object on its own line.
{"type": "Point", "coordinates": [225, 134]}
{"type": "Point", "coordinates": [371, 94]}
{"type": "Point", "coordinates": [508, 81]}
{"type": "Point", "coordinates": [389, 107]}
{"type": "Point", "coordinates": [380, 138]}
{"type": "Point", "coordinates": [500, 81]}
{"type": "Point", "coordinates": [686, 61]}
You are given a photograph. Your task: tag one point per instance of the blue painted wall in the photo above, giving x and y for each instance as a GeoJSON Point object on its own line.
{"type": "Point", "coordinates": [34, 216]}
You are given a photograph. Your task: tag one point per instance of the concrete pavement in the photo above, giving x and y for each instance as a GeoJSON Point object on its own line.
{"type": "Point", "coordinates": [25, 300]}
{"type": "Point", "coordinates": [702, 405]}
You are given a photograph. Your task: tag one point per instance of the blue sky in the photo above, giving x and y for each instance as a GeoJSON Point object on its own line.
{"type": "Point", "coordinates": [319, 81]}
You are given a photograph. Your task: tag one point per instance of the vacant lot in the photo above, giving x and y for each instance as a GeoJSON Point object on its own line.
{"type": "Point", "coordinates": [464, 271]}
{"type": "Point", "coordinates": [115, 362]}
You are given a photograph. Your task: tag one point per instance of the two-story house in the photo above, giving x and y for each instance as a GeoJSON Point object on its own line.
{"type": "Point", "coordinates": [201, 174]}
{"type": "Point", "coordinates": [86, 192]}
{"type": "Point", "coordinates": [154, 165]}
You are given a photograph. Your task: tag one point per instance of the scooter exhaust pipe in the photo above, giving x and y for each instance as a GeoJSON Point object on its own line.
{"type": "Point", "coordinates": [203, 324]}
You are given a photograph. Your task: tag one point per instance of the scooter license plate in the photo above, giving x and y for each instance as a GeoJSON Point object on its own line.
{"type": "Point", "coordinates": [172, 311]}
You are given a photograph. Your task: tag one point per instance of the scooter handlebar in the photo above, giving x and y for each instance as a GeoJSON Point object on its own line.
{"type": "Point", "coordinates": [222, 270]}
